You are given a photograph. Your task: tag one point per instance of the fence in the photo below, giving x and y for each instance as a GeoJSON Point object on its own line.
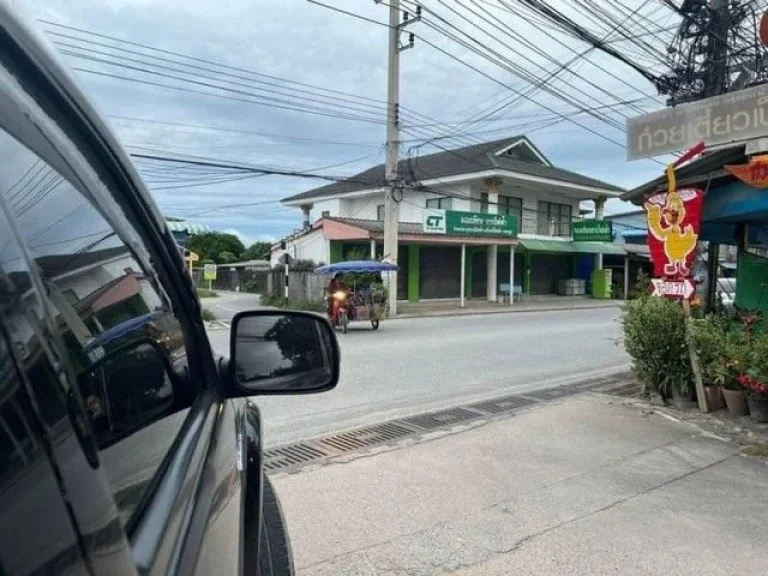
{"type": "Point", "coordinates": [239, 279]}
{"type": "Point", "coordinates": [302, 286]}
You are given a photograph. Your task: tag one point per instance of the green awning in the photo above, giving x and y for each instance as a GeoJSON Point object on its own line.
{"type": "Point", "coordinates": [537, 245]}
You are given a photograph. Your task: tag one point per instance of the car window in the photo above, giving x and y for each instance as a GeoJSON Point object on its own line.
{"type": "Point", "coordinates": [123, 344]}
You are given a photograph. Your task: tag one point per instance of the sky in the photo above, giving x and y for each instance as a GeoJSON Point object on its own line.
{"type": "Point", "coordinates": [300, 42]}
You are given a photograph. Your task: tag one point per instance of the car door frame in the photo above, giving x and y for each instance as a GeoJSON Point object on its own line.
{"type": "Point", "coordinates": [172, 493]}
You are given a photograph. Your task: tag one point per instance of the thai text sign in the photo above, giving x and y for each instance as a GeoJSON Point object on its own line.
{"type": "Point", "coordinates": [209, 272]}
{"type": "Point", "coordinates": [593, 231]}
{"type": "Point", "coordinates": [674, 219]}
{"type": "Point", "coordinates": [754, 173]}
{"type": "Point", "coordinates": [673, 289]}
{"type": "Point", "coordinates": [736, 116]}
{"type": "Point", "coordinates": [470, 223]}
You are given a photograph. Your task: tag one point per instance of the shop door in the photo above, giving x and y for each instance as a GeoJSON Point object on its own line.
{"type": "Point", "coordinates": [440, 272]}
{"type": "Point", "coordinates": [402, 273]}
{"type": "Point", "coordinates": [479, 273]}
{"type": "Point", "coordinates": [546, 270]}
{"type": "Point", "coordinates": [502, 268]}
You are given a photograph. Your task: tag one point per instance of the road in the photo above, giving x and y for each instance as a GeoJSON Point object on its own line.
{"type": "Point", "coordinates": [418, 365]}
{"type": "Point", "coordinates": [227, 304]}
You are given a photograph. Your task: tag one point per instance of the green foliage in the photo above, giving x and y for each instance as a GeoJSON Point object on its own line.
{"type": "Point", "coordinates": [257, 251]}
{"type": "Point", "coordinates": [300, 266]}
{"type": "Point", "coordinates": [655, 339]}
{"type": "Point", "coordinates": [709, 338]}
{"type": "Point", "coordinates": [211, 245]}
{"type": "Point", "coordinates": [203, 293]}
{"type": "Point", "coordinates": [642, 285]}
{"type": "Point", "coordinates": [207, 315]}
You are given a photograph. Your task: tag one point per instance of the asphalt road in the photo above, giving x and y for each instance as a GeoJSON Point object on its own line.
{"type": "Point", "coordinates": [227, 304]}
{"type": "Point", "coordinates": [417, 365]}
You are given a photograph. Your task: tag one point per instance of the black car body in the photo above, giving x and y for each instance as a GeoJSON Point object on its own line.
{"type": "Point", "coordinates": [125, 446]}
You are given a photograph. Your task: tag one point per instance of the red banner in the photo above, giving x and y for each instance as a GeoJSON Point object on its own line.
{"type": "Point", "coordinates": [674, 221]}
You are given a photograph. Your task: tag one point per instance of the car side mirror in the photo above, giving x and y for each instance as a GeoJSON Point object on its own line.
{"type": "Point", "coordinates": [280, 352]}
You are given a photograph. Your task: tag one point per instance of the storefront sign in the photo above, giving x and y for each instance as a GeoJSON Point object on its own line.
{"type": "Point", "coordinates": [736, 116]}
{"type": "Point", "coordinates": [754, 173]}
{"type": "Point", "coordinates": [673, 288]}
{"type": "Point", "coordinates": [209, 272]}
{"type": "Point", "coordinates": [460, 223]}
{"type": "Point", "coordinates": [674, 219]}
{"type": "Point", "coordinates": [593, 231]}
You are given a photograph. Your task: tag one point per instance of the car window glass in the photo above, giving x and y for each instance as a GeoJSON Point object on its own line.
{"type": "Point", "coordinates": [122, 342]}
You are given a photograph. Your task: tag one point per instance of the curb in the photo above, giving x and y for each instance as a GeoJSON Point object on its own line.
{"type": "Point", "coordinates": [503, 310]}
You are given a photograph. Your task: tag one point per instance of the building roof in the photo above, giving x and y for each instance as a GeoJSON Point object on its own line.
{"type": "Point", "coordinates": [467, 160]}
{"type": "Point", "coordinates": [177, 225]}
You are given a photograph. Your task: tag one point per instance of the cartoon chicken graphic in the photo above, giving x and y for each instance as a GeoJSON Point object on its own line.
{"type": "Point", "coordinates": [678, 243]}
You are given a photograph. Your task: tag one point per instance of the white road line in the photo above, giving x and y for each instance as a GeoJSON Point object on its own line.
{"type": "Point", "coordinates": [227, 308]}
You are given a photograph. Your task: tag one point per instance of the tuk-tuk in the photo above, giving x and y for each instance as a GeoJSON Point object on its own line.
{"type": "Point", "coordinates": [361, 301]}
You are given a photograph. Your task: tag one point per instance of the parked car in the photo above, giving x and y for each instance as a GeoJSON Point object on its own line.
{"type": "Point", "coordinates": [126, 447]}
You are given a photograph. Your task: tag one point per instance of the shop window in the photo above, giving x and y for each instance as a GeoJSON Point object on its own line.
{"type": "Point", "coordinates": [511, 206]}
{"type": "Point", "coordinates": [554, 219]}
{"type": "Point", "coordinates": [483, 202]}
{"type": "Point", "coordinates": [380, 212]}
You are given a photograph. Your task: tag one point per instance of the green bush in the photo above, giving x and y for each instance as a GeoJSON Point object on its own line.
{"type": "Point", "coordinates": [207, 315]}
{"type": "Point", "coordinates": [709, 338]}
{"type": "Point", "coordinates": [655, 339]}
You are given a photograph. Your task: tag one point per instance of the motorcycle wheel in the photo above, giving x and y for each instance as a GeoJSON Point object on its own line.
{"type": "Point", "coordinates": [375, 323]}
{"type": "Point", "coordinates": [344, 322]}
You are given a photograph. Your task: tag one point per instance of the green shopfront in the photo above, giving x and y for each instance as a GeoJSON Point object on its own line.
{"type": "Point", "coordinates": [467, 255]}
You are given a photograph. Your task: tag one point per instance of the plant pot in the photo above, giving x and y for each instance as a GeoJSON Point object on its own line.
{"type": "Point", "coordinates": [714, 398]}
{"type": "Point", "coordinates": [758, 408]}
{"type": "Point", "coordinates": [736, 402]}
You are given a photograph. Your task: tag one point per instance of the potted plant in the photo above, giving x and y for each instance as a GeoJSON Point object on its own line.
{"type": "Point", "coordinates": [709, 336]}
{"type": "Point", "coordinates": [727, 373]}
{"type": "Point", "coordinates": [757, 396]}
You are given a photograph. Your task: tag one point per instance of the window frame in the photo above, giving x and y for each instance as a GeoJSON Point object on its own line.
{"type": "Point", "coordinates": [380, 212]}
{"type": "Point", "coordinates": [443, 203]}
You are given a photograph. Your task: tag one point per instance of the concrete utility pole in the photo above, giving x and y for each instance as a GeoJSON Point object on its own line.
{"type": "Point", "coordinates": [394, 192]}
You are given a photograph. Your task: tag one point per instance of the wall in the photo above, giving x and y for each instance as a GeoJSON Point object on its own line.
{"type": "Point", "coordinates": [312, 246]}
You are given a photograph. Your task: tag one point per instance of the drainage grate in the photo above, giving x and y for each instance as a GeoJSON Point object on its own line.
{"type": "Point", "coordinates": [291, 455]}
{"type": "Point", "coordinates": [553, 393]}
{"type": "Point", "coordinates": [366, 437]}
{"type": "Point", "coordinates": [502, 405]}
{"type": "Point", "coordinates": [444, 418]}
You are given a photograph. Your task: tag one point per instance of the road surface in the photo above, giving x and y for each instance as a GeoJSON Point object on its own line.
{"type": "Point", "coordinates": [418, 365]}
{"type": "Point", "coordinates": [227, 304]}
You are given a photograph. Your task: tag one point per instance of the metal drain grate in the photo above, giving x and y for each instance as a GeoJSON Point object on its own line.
{"type": "Point", "coordinates": [366, 437]}
{"type": "Point", "coordinates": [553, 393]}
{"type": "Point", "coordinates": [444, 418]}
{"type": "Point", "coordinates": [502, 405]}
{"type": "Point", "coordinates": [291, 455]}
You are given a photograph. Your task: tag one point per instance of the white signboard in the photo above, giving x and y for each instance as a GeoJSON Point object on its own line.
{"type": "Point", "coordinates": [733, 117]}
{"type": "Point", "coordinates": [209, 272]}
{"type": "Point", "coordinates": [434, 222]}
{"type": "Point", "coordinates": [673, 289]}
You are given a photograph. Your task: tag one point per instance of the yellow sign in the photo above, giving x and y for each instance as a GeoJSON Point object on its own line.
{"type": "Point", "coordinates": [209, 272]}
{"type": "Point", "coordinates": [194, 257]}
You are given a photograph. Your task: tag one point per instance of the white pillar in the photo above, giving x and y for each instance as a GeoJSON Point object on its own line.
{"type": "Point", "coordinates": [463, 270]}
{"type": "Point", "coordinates": [626, 277]}
{"type": "Point", "coordinates": [373, 249]}
{"type": "Point", "coordinates": [491, 279]}
{"type": "Point", "coordinates": [599, 212]}
{"type": "Point", "coordinates": [511, 275]}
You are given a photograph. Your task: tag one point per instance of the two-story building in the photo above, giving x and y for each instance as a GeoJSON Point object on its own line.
{"type": "Point", "coordinates": [509, 177]}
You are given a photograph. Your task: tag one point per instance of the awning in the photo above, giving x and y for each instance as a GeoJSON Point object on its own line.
{"type": "Point", "coordinates": [538, 245]}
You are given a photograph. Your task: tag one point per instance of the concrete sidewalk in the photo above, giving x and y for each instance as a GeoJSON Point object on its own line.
{"type": "Point", "coordinates": [587, 485]}
{"type": "Point", "coordinates": [451, 308]}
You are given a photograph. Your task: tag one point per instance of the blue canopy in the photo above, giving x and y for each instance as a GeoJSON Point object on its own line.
{"type": "Point", "coordinates": [356, 266]}
{"type": "Point", "coordinates": [118, 331]}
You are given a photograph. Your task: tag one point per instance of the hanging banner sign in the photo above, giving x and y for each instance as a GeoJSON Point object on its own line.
{"type": "Point", "coordinates": [674, 220]}
{"type": "Point", "coordinates": [754, 173]}
{"type": "Point", "coordinates": [684, 289]}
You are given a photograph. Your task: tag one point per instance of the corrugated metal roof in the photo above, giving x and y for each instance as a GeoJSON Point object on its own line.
{"type": "Point", "coordinates": [188, 227]}
{"type": "Point", "coordinates": [467, 160]}
{"type": "Point", "coordinates": [541, 245]}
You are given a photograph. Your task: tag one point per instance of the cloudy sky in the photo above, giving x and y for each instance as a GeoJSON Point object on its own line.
{"type": "Point", "coordinates": [304, 85]}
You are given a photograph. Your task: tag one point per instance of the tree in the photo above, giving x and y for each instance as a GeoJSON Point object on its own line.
{"type": "Point", "coordinates": [211, 245]}
{"type": "Point", "coordinates": [226, 257]}
{"type": "Point", "coordinates": [257, 251]}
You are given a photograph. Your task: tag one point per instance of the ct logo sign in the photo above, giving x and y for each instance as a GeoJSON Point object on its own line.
{"type": "Point", "coordinates": [434, 222]}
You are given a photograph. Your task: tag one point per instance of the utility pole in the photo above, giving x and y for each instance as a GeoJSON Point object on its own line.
{"type": "Point", "coordinates": [394, 193]}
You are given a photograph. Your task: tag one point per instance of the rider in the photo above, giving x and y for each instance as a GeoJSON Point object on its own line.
{"type": "Point", "coordinates": [337, 284]}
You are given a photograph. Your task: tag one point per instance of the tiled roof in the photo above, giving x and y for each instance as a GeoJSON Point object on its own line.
{"type": "Point", "coordinates": [467, 160]}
